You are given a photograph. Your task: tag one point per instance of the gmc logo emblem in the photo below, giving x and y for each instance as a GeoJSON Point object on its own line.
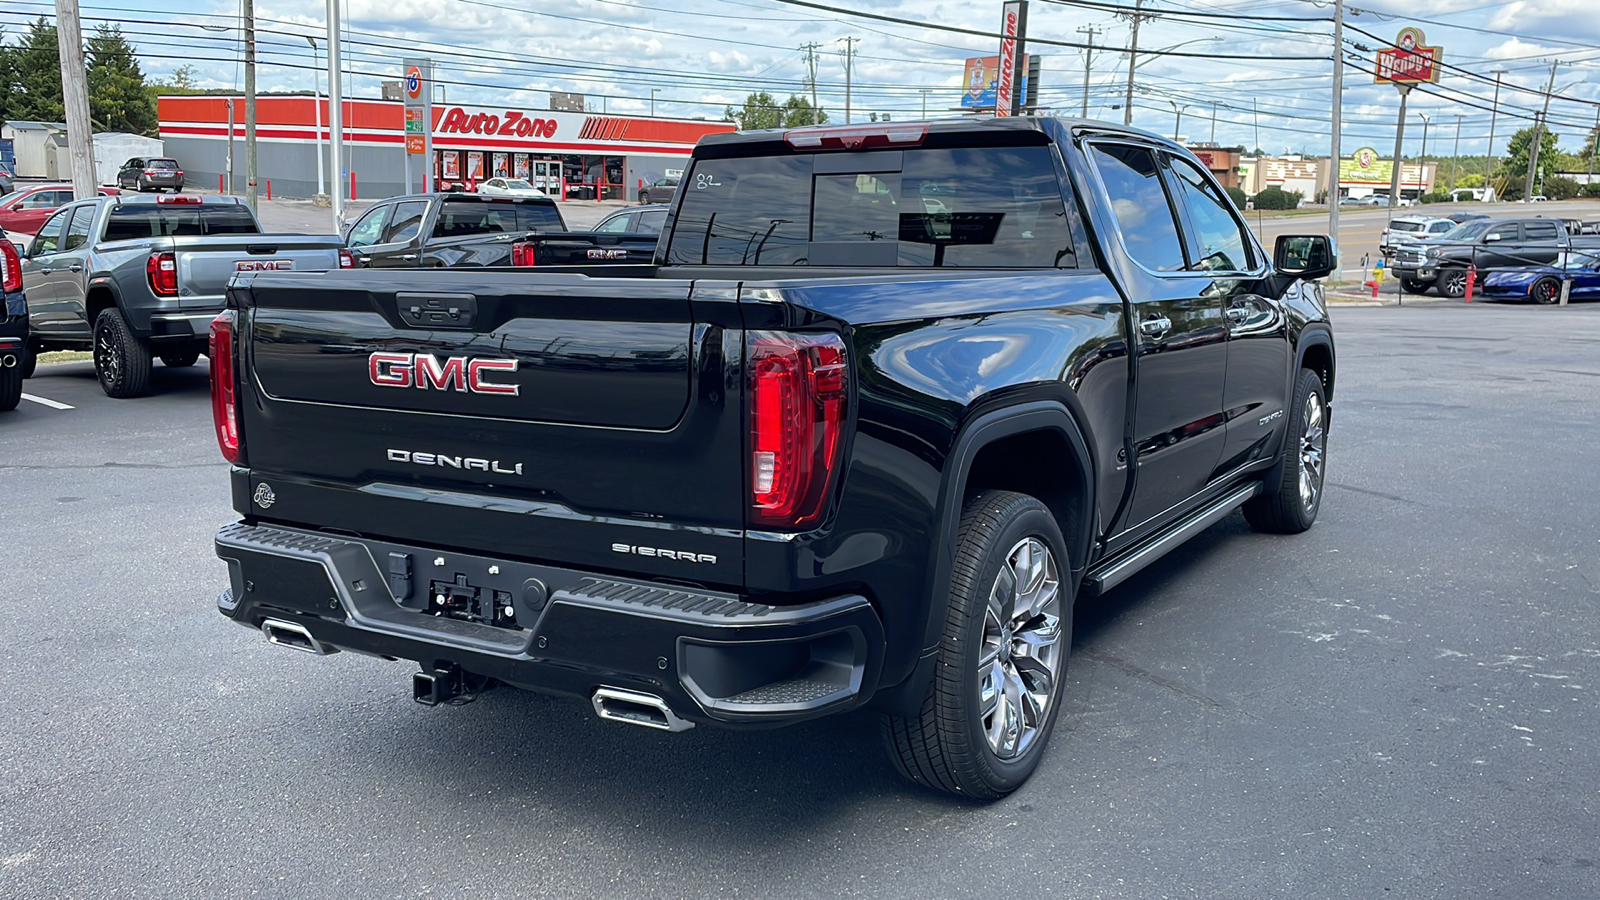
{"type": "Point", "coordinates": [264, 265]}
{"type": "Point", "coordinates": [424, 371]}
{"type": "Point", "coordinates": [608, 254]}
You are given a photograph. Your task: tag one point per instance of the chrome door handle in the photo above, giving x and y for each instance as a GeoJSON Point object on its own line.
{"type": "Point", "coordinates": [46, 271]}
{"type": "Point", "coordinates": [1156, 327]}
{"type": "Point", "coordinates": [1237, 314]}
{"type": "Point", "coordinates": [409, 257]}
{"type": "Point", "coordinates": [74, 268]}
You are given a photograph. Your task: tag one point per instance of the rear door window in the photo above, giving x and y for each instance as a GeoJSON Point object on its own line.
{"type": "Point", "coordinates": [988, 207]}
{"type": "Point", "coordinates": [1139, 202]}
{"type": "Point", "coordinates": [406, 222]}
{"type": "Point", "coordinates": [1539, 231]}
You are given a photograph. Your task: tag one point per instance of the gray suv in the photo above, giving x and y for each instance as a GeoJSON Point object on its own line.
{"type": "Point", "coordinates": [152, 173]}
{"type": "Point", "coordinates": [659, 191]}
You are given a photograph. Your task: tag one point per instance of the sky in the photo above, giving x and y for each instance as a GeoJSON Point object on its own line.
{"type": "Point", "coordinates": [1270, 84]}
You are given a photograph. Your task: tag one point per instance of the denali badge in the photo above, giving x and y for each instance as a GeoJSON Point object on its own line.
{"type": "Point", "coordinates": [424, 370]}
{"type": "Point", "coordinates": [1270, 418]}
{"type": "Point", "coordinates": [444, 460]}
{"type": "Point", "coordinates": [679, 555]}
{"type": "Point", "coordinates": [264, 496]}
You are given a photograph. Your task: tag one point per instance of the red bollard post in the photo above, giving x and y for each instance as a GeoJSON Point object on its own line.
{"type": "Point", "coordinates": [352, 185]}
{"type": "Point", "coordinates": [221, 184]}
{"type": "Point", "coordinates": [1472, 279]}
{"type": "Point", "coordinates": [269, 188]}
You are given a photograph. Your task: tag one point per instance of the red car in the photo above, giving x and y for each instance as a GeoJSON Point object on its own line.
{"type": "Point", "coordinates": [25, 210]}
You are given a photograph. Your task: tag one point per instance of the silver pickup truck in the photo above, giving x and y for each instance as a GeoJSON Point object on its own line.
{"type": "Point", "coordinates": [136, 278]}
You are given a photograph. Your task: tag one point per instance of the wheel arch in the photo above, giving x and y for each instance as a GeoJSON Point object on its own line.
{"type": "Point", "coordinates": [1315, 352]}
{"type": "Point", "coordinates": [983, 457]}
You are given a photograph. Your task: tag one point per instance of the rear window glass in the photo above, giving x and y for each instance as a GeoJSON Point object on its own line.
{"type": "Point", "coordinates": [993, 207]}
{"type": "Point", "coordinates": [163, 164]}
{"type": "Point", "coordinates": [458, 218]}
{"type": "Point", "coordinates": [1405, 226]}
{"type": "Point", "coordinates": [147, 220]}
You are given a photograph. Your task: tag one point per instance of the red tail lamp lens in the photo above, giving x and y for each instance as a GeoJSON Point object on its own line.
{"type": "Point", "coordinates": [799, 395]}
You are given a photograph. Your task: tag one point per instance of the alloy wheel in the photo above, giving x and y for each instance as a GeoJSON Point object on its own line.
{"type": "Point", "coordinates": [1313, 447]}
{"type": "Point", "coordinates": [107, 357]}
{"type": "Point", "coordinates": [1021, 653]}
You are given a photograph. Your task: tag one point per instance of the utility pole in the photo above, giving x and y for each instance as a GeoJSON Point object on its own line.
{"type": "Point", "coordinates": [316, 105]}
{"type": "Point", "coordinates": [849, 54]}
{"type": "Point", "coordinates": [924, 92]}
{"type": "Point", "coordinates": [74, 82]}
{"type": "Point", "coordinates": [1399, 146]}
{"type": "Point", "coordinates": [1422, 178]}
{"type": "Point", "coordinates": [1255, 116]}
{"type": "Point", "coordinates": [1595, 146]}
{"type": "Point", "coordinates": [1455, 154]}
{"type": "Point", "coordinates": [1137, 16]}
{"type": "Point", "coordinates": [250, 161]}
{"type": "Point", "coordinates": [1213, 122]}
{"type": "Point", "coordinates": [1336, 125]}
{"type": "Point", "coordinates": [335, 120]}
{"type": "Point", "coordinates": [1088, 57]}
{"type": "Point", "coordinates": [1488, 159]}
{"type": "Point", "coordinates": [1177, 123]}
{"type": "Point", "coordinates": [1538, 131]}
{"type": "Point", "coordinates": [811, 68]}
{"type": "Point", "coordinates": [653, 92]}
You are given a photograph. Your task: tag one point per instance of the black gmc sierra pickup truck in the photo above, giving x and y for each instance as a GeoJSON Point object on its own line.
{"type": "Point", "coordinates": [890, 399]}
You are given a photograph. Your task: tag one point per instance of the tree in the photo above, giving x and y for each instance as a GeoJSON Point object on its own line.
{"type": "Point", "coordinates": [761, 110]}
{"type": "Point", "coordinates": [8, 76]}
{"type": "Point", "coordinates": [1515, 164]}
{"type": "Point", "coordinates": [118, 100]}
{"type": "Point", "coordinates": [38, 97]}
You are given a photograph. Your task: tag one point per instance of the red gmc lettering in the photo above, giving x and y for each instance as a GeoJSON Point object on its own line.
{"type": "Point", "coordinates": [430, 373]}
{"type": "Point", "coordinates": [477, 385]}
{"type": "Point", "coordinates": [424, 371]}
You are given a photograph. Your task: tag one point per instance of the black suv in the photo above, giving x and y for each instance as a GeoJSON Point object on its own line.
{"type": "Point", "coordinates": [151, 173]}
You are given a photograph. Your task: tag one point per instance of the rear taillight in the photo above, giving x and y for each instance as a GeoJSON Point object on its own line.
{"type": "Point", "coordinates": [224, 410]}
{"type": "Point", "coordinates": [161, 270]}
{"type": "Point", "coordinates": [10, 266]}
{"type": "Point", "coordinates": [799, 395]}
{"type": "Point", "coordinates": [347, 260]}
{"type": "Point", "coordinates": [523, 254]}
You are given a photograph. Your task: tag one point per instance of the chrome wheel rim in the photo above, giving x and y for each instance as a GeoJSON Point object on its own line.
{"type": "Point", "coordinates": [106, 358]}
{"type": "Point", "coordinates": [1455, 283]}
{"type": "Point", "coordinates": [1021, 654]}
{"type": "Point", "coordinates": [1313, 447]}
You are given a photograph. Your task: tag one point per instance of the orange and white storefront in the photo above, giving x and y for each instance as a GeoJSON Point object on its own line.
{"type": "Point", "coordinates": [575, 155]}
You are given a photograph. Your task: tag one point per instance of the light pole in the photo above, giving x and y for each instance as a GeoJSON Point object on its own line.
{"type": "Point", "coordinates": [1455, 155]}
{"type": "Point", "coordinates": [923, 91]}
{"type": "Point", "coordinates": [653, 92]}
{"type": "Point", "coordinates": [1134, 63]}
{"type": "Point", "coordinates": [1488, 158]}
{"type": "Point", "coordinates": [1422, 176]}
{"type": "Point", "coordinates": [1177, 123]}
{"type": "Point", "coordinates": [316, 106]}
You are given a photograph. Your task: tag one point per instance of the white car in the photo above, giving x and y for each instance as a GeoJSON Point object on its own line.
{"type": "Point", "coordinates": [1404, 229]}
{"type": "Point", "coordinates": [510, 187]}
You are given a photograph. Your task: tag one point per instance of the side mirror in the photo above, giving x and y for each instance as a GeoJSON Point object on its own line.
{"type": "Point", "coordinates": [1308, 256]}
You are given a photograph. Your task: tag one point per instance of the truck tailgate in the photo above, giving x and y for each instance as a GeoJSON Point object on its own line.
{"type": "Point", "coordinates": [546, 416]}
{"type": "Point", "coordinates": [205, 264]}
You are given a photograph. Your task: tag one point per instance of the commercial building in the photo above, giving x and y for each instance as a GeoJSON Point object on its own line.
{"type": "Point", "coordinates": [577, 155]}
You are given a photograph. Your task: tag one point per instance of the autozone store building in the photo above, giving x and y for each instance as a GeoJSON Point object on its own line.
{"type": "Point", "coordinates": [581, 155]}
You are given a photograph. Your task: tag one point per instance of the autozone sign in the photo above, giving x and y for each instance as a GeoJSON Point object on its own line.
{"type": "Point", "coordinates": [1003, 85]}
{"type": "Point", "coordinates": [509, 123]}
{"type": "Point", "coordinates": [1410, 61]}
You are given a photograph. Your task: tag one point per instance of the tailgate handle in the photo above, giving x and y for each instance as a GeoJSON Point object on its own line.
{"type": "Point", "coordinates": [437, 310]}
{"type": "Point", "coordinates": [261, 249]}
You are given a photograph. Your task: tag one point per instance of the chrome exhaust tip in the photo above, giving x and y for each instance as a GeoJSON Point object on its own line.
{"type": "Point", "coordinates": [8, 361]}
{"type": "Point", "coordinates": [635, 708]}
{"type": "Point", "coordinates": [294, 636]}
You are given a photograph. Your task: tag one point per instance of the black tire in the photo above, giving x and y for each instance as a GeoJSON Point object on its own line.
{"type": "Point", "coordinates": [1413, 286]}
{"type": "Point", "coordinates": [121, 360]}
{"type": "Point", "coordinates": [1293, 492]}
{"type": "Point", "coordinates": [29, 360]}
{"type": "Point", "coordinates": [10, 388]}
{"type": "Point", "coordinates": [1452, 282]}
{"type": "Point", "coordinates": [1545, 290]}
{"type": "Point", "coordinates": [180, 357]}
{"type": "Point", "coordinates": [950, 745]}
{"type": "Point", "coordinates": [644, 197]}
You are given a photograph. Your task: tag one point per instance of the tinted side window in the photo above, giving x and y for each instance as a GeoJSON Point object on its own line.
{"type": "Point", "coordinates": [78, 231]}
{"type": "Point", "coordinates": [369, 229]}
{"type": "Point", "coordinates": [1140, 205]}
{"type": "Point", "coordinates": [49, 237]}
{"type": "Point", "coordinates": [1221, 239]}
{"type": "Point", "coordinates": [406, 223]}
{"type": "Point", "coordinates": [651, 222]}
{"type": "Point", "coordinates": [744, 212]}
{"type": "Point", "coordinates": [1539, 231]}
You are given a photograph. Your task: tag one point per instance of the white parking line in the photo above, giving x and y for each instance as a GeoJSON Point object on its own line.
{"type": "Point", "coordinates": [45, 401]}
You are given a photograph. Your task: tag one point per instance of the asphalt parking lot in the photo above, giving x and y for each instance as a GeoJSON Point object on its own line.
{"type": "Point", "coordinates": [1399, 703]}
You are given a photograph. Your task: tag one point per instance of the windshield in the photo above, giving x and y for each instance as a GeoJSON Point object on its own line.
{"type": "Point", "coordinates": [518, 184]}
{"type": "Point", "coordinates": [1466, 231]}
{"type": "Point", "coordinates": [1405, 226]}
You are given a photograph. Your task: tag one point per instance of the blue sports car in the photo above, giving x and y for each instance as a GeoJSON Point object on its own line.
{"type": "Point", "coordinates": [1542, 284]}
